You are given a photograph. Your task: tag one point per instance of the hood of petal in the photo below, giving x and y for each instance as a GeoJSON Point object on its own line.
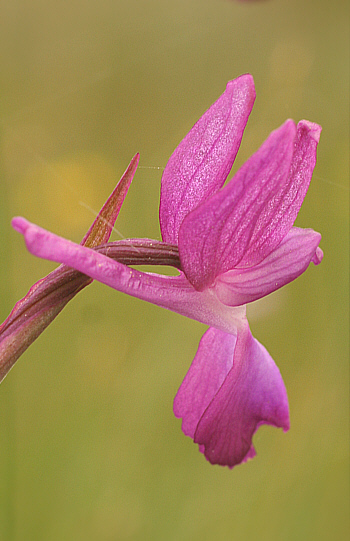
{"type": "Point", "coordinates": [247, 220]}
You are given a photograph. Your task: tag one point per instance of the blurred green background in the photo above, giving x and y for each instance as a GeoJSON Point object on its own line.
{"type": "Point", "coordinates": [89, 447]}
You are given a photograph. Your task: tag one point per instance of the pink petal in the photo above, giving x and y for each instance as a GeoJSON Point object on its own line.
{"type": "Point", "coordinates": [172, 292]}
{"type": "Point", "coordinates": [280, 213]}
{"type": "Point", "coordinates": [200, 164]}
{"type": "Point", "coordinates": [243, 223]}
{"type": "Point", "coordinates": [212, 363]}
{"type": "Point", "coordinates": [290, 259]}
{"type": "Point", "coordinates": [215, 237]}
{"type": "Point", "coordinates": [247, 391]}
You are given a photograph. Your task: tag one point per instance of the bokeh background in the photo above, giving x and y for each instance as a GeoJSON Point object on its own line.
{"type": "Point", "coordinates": [89, 447]}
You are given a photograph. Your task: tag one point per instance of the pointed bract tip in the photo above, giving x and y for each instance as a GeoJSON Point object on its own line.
{"type": "Point", "coordinates": [135, 160]}
{"type": "Point", "coordinates": [102, 226]}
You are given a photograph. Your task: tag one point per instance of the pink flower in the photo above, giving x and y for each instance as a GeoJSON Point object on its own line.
{"type": "Point", "coordinates": [236, 244]}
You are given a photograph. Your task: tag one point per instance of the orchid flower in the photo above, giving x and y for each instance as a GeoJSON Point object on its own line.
{"type": "Point", "coordinates": [236, 244]}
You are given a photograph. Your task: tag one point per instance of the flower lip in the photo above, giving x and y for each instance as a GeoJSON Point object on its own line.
{"type": "Point", "coordinates": [232, 387]}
